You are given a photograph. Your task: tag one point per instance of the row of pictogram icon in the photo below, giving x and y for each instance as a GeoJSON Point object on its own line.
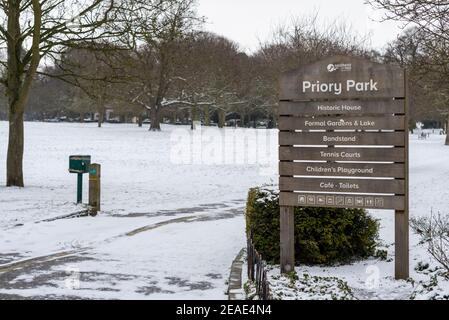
{"type": "Point", "coordinates": [330, 200]}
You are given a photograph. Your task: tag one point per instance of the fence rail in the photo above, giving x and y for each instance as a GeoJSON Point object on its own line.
{"type": "Point", "coordinates": [257, 271]}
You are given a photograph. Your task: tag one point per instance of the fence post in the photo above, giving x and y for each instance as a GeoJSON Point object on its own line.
{"type": "Point", "coordinates": [79, 189]}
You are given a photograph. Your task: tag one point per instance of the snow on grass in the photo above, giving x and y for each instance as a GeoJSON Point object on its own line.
{"type": "Point", "coordinates": [145, 185]}
{"type": "Point", "coordinates": [145, 190]}
{"type": "Point", "coordinates": [138, 169]}
{"type": "Point", "coordinates": [307, 287]}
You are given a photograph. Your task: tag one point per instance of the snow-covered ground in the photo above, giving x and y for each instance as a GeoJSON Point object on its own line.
{"type": "Point", "coordinates": [172, 214]}
{"type": "Point", "coordinates": [141, 171]}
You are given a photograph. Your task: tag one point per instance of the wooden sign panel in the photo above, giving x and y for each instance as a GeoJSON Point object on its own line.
{"type": "Point", "coordinates": [343, 143]}
{"type": "Point", "coordinates": [342, 138]}
{"type": "Point", "coordinates": [346, 107]}
{"type": "Point", "coordinates": [342, 123]}
{"type": "Point", "coordinates": [335, 169]}
{"type": "Point", "coordinates": [341, 77]}
{"type": "Point", "coordinates": [379, 202]}
{"type": "Point", "coordinates": [342, 185]}
{"type": "Point", "coordinates": [342, 154]}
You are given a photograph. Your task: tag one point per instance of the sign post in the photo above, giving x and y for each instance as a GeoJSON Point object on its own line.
{"type": "Point", "coordinates": [343, 143]}
{"type": "Point", "coordinates": [79, 189]}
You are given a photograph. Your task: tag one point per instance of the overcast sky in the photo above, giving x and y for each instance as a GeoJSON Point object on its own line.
{"type": "Point", "coordinates": [248, 21]}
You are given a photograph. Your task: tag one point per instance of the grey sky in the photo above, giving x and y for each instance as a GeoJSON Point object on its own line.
{"type": "Point", "coordinates": [247, 21]}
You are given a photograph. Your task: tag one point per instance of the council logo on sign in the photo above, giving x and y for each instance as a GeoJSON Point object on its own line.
{"type": "Point", "coordinates": [332, 67]}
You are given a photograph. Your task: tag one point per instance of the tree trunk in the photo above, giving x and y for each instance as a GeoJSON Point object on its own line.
{"type": "Point", "coordinates": [206, 116]}
{"type": "Point", "coordinates": [155, 119]}
{"type": "Point", "coordinates": [140, 121]}
{"type": "Point", "coordinates": [17, 90]}
{"type": "Point", "coordinates": [221, 118]}
{"type": "Point", "coordinates": [194, 115]}
{"type": "Point", "coordinates": [243, 118]}
{"type": "Point", "coordinates": [447, 133]}
{"type": "Point", "coordinates": [101, 113]}
{"type": "Point", "coordinates": [14, 161]}
{"type": "Point", "coordinates": [100, 119]}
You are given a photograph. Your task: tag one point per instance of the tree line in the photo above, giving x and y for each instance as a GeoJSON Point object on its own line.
{"type": "Point", "coordinates": [183, 73]}
{"type": "Point", "coordinates": [152, 59]}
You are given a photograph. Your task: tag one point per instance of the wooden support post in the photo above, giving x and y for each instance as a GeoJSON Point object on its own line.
{"type": "Point", "coordinates": [401, 224]}
{"type": "Point", "coordinates": [94, 188]}
{"type": "Point", "coordinates": [401, 245]}
{"type": "Point", "coordinates": [287, 221]}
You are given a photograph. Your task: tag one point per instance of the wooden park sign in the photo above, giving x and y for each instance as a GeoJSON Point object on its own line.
{"type": "Point", "coordinates": [343, 143]}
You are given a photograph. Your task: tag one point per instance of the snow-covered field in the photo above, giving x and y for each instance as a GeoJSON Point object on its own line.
{"type": "Point", "coordinates": [141, 171]}
{"type": "Point", "coordinates": [172, 214]}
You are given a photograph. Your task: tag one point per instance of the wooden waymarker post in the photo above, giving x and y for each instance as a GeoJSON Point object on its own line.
{"type": "Point", "coordinates": [94, 188]}
{"type": "Point", "coordinates": [343, 143]}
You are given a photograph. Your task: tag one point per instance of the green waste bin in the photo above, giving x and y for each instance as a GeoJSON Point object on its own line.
{"type": "Point", "coordinates": [80, 165]}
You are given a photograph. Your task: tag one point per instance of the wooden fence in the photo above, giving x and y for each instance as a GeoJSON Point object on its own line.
{"type": "Point", "coordinates": [257, 272]}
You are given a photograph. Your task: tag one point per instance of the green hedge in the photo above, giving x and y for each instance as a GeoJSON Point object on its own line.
{"type": "Point", "coordinates": [322, 235]}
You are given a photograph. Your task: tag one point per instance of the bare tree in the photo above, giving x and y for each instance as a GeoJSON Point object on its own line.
{"type": "Point", "coordinates": [297, 43]}
{"type": "Point", "coordinates": [50, 98]}
{"type": "Point", "coordinates": [155, 34]}
{"type": "Point", "coordinates": [96, 71]}
{"type": "Point", "coordinates": [80, 103]}
{"type": "Point", "coordinates": [32, 30]}
{"type": "Point", "coordinates": [430, 22]}
{"type": "Point", "coordinates": [210, 70]}
{"type": "Point", "coordinates": [430, 16]}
